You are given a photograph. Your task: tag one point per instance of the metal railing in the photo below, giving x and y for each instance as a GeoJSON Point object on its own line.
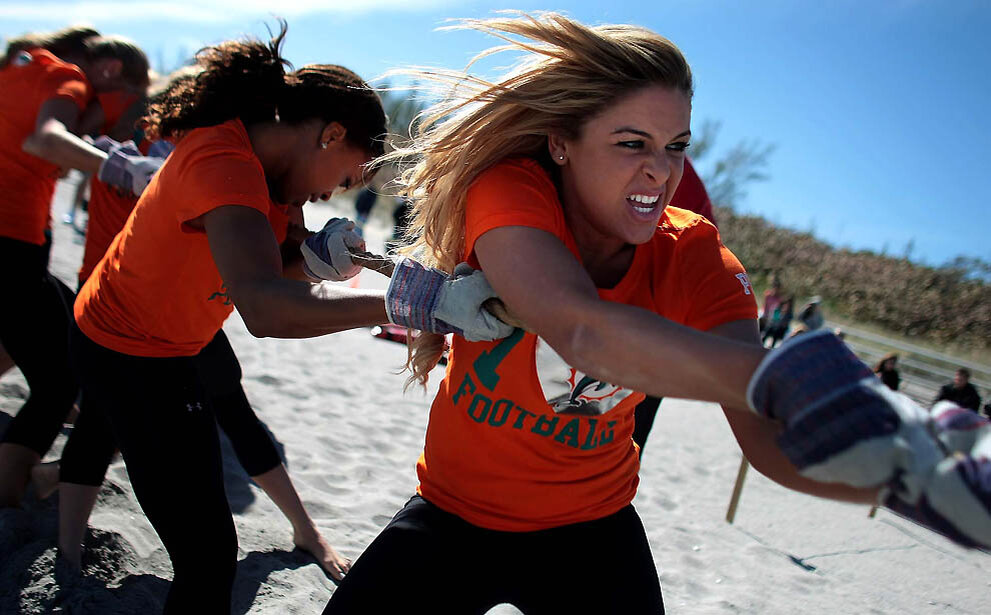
{"type": "Point", "coordinates": [923, 371]}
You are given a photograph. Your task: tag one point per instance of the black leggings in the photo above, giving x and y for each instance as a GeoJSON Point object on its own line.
{"type": "Point", "coordinates": [35, 319]}
{"type": "Point", "coordinates": [91, 446]}
{"type": "Point", "coordinates": [430, 561]}
{"type": "Point", "coordinates": [161, 419]}
{"type": "Point", "coordinates": [643, 420]}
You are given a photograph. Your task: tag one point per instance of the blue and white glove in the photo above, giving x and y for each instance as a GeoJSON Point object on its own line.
{"type": "Point", "coordinates": [125, 166]}
{"type": "Point", "coordinates": [327, 254]}
{"type": "Point", "coordinates": [841, 424]}
{"type": "Point", "coordinates": [957, 502]}
{"type": "Point", "coordinates": [430, 300]}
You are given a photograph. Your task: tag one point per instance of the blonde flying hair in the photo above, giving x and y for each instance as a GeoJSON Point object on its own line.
{"type": "Point", "coordinates": [568, 74]}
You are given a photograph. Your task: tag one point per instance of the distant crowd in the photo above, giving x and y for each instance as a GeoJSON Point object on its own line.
{"type": "Point", "coordinates": [778, 320]}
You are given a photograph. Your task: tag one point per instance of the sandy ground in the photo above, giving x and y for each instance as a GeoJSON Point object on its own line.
{"type": "Point", "coordinates": [351, 438]}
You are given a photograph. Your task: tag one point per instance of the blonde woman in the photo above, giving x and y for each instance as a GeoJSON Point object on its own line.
{"type": "Point", "coordinates": [554, 180]}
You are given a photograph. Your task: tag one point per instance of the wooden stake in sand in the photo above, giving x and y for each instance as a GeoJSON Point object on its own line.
{"type": "Point", "coordinates": [741, 474]}
{"type": "Point", "coordinates": [386, 267]}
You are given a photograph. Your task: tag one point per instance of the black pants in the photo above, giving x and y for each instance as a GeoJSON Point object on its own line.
{"type": "Point", "coordinates": [35, 319]}
{"type": "Point", "coordinates": [430, 561]}
{"type": "Point", "coordinates": [776, 333]}
{"type": "Point", "coordinates": [643, 420]}
{"type": "Point", "coordinates": [92, 445]}
{"type": "Point", "coordinates": [161, 419]}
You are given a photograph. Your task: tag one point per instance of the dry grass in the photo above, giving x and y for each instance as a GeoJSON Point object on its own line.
{"type": "Point", "coordinates": [935, 307]}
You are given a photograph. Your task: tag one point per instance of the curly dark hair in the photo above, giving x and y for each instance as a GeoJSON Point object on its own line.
{"type": "Point", "coordinates": [247, 79]}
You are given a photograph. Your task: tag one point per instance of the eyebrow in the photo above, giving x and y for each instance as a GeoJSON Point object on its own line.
{"type": "Point", "coordinates": [647, 134]}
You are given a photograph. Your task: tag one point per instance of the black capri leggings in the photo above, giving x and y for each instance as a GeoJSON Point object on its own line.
{"type": "Point", "coordinates": [162, 421]}
{"type": "Point", "coordinates": [35, 320]}
{"type": "Point", "coordinates": [92, 445]}
{"type": "Point", "coordinates": [430, 561]}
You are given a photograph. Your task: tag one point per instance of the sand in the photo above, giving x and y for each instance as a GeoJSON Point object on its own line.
{"type": "Point", "coordinates": [351, 438]}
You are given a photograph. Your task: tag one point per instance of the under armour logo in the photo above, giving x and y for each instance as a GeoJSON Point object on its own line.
{"type": "Point", "coordinates": [745, 281]}
{"type": "Point", "coordinates": [193, 406]}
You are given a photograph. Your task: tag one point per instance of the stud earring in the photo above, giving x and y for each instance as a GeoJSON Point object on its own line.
{"type": "Point", "coordinates": [560, 157]}
{"type": "Point", "coordinates": [323, 146]}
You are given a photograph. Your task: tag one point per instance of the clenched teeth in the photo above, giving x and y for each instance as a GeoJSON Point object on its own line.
{"type": "Point", "coordinates": [643, 198]}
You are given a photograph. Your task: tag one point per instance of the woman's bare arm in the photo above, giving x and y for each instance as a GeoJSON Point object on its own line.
{"type": "Point", "coordinates": [54, 138]}
{"type": "Point", "coordinates": [757, 437]}
{"type": "Point", "coordinates": [542, 283]}
{"type": "Point", "coordinates": [249, 262]}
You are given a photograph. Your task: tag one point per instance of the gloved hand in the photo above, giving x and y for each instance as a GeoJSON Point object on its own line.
{"type": "Point", "coordinates": [104, 143]}
{"type": "Point", "coordinates": [326, 255]}
{"type": "Point", "coordinates": [125, 167]}
{"type": "Point", "coordinates": [957, 500]}
{"type": "Point", "coordinates": [430, 300]}
{"type": "Point", "coordinates": [841, 424]}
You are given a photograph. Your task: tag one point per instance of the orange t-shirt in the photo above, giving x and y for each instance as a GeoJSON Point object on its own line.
{"type": "Point", "coordinates": [517, 439]}
{"type": "Point", "coordinates": [157, 292]}
{"type": "Point", "coordinates": [27, 183]}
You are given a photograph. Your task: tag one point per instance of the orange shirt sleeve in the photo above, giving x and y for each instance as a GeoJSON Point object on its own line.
{"type": "Point", "coordinates": [214, 177]}
{"type": "Point", "coordinates": [512, 193]}
{"type": "Point", "coordinates": [67, 82]}
{"type": "Point", "coordinates": [714, 283]}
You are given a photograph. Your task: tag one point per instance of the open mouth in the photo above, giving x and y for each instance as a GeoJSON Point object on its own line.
{"type": "Point", "coordinates": [643, 203]}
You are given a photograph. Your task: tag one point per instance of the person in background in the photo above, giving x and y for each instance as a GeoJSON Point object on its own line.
{"type": "Point", "coordinates": [960, 391]}
{"type": "Point", "coordinates": [811, 315]}
{"type": "Point", "coordinates": [777, 328]}
{"type": "Point", "coordinates": [887, 370]}
{"type": "Point", "coordinates": [48, 81]}
{"type": "Point", "coordinates": [113, 114]}
{"type": "Point", "coordinates": [772, 298]}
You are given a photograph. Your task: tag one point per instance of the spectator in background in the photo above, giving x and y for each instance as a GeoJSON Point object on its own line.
{"type": "Point", "coordinates": [777, 326]}
{"type": "Point", "coordinates": [811, 314]}
{"type": "Point", "coordinates": [772, 299]}
{"type": "Point", "coordinates": [960, 391]}
{"type": "Point", "coordinates": [886, 369]}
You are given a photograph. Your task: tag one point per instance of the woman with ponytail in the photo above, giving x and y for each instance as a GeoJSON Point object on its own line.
{"type": "Point", "coordinates": [91, 445]}
{"type": "Point", "coordinates": [555, 180]}
{"type": "Point", "coordinates": [253, 143]}
{"type": "Point", "coordinates": [47, 83]}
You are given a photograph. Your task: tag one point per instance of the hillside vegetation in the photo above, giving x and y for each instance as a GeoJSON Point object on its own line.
{"type": "Point", "coordinates": [944, 305]}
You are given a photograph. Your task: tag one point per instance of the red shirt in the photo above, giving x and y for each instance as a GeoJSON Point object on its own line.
{"type": "Point", "coordinates": [517, 439]}
{"type": "Point", "coordinates": [27, 183]}
{"type": "Point", "coordinates": [692, 195]}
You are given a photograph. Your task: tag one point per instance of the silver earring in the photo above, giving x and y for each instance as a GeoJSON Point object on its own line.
{"type": "Point", "coordinates": [560, 157]}
{"type": "Point", "coordinates": [323, 146]}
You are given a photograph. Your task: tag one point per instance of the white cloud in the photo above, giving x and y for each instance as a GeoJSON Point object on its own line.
{"type": "Point", "coordinates": [209, 11]}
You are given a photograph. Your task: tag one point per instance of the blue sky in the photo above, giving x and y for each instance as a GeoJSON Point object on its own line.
{"type": "Point", "coordinates": [878, 110]}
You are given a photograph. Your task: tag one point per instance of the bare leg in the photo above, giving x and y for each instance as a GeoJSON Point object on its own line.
{"type": "Point", "coordinates": [44, 478]}
{"type": "Point", "coordinates": [76, 502]}
{"type": "Point", "coordinates": [5, 361]}
{"type": "Point", "coordinates": [16, 462]}
{"type": "Point", "coordinates": [278, 486]}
